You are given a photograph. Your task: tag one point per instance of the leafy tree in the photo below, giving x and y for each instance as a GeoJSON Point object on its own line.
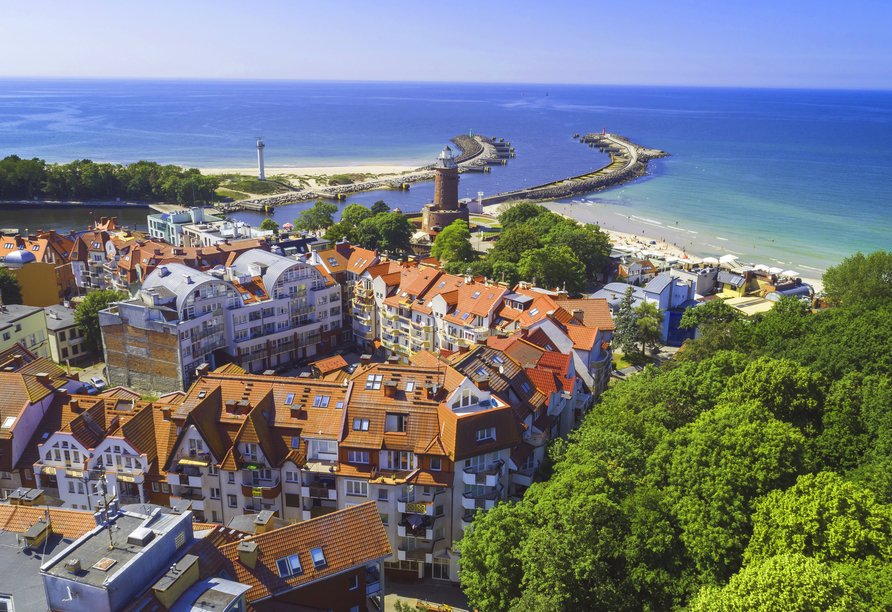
{"type": "Point", "coordinates": [824, 517]}
{"type": "Point", "coordinates": [625, 337]}
{"type": "Point", "coordinates": [714, 469]}
{"type": "Point", "coordinates": [354, 214]}
{"type": "Point", "coordinates": [341, 230]}
{"type": "Point", "coordinates": [514, 242]}
{"type": "Point", "coordinates": [390, 232]}
{"type": "Point", "coordinates": [588, 242]}
{"type": "Point", "coordinates": [649, 322]}
{"type": "Point", "coordinates": [86, 317]}
{"type": "Point", "coordinates": [318, 217]}
{"type": "Point", "coordinates": [505, 271]}
{"type": "Point", "coordinates": [520, 214]}
{"type": "Point", "coordinates": [871, 581]}
{"type": "Point", "coordinates": [491, 556]}
{"type": "Point", "coordinates": [785, 583]}
{"type": "Point", "coordinates": [860, 278]}
{"type": "Point", "coordinates": [454, 243]}
{"type": "Point", "coordinates": [270, 225]}
{"type": "Point", "coordinates": [554, 267]}
{"type": "Point", "coordinates": [380, 207]}
{"type": "Point", "coordinates": [10, 290]}
{"type": "Point", "coordinates": [708, 313]}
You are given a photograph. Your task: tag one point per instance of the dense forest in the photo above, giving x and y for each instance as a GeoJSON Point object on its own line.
{"type": "Point", "coordinates": [84, 180]}
{"type": "Point", "coordinates": [754, 472]}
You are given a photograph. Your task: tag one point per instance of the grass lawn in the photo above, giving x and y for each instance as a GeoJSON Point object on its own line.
{"type": "Point", "coordinates": [235, 195]}
{"type": "Point", "coordinates": [485, 221]}
{"type": "Point", "coordinates": [622, 360]}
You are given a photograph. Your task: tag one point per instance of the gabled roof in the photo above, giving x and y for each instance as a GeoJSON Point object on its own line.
{"type": "Point", "coordinates": [330, 364]}
{"type": "Point", "coordinates": [595, 312]}
{"type": "Point", "coordinates": [349, 538]}
{"type": "Point", "coordinates": [459, 432]}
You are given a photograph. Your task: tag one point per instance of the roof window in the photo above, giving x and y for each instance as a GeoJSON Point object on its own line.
{"type": "Point", "coordinates": [410, 386]}
{"type": "Point", "coordinates": [534, 312]}
{"type": "Point", "coordinates": [476, 295]}
{"type": "Point", "coordinates": [360, 424]}
{"type": "Point", "coordinates": [498, 359]}
{"type": "Point", "coordinates": [374, 381]}
{"type": "Point", "coordinates": [289, 566]}
{"type": "Point", "coordinates": [321, 401]}
{"type": "Point", "coordinates": [289, 400]}
{"type": "Point", "coordinates": [8, 421]}
{"type": "Point", "coordinates": [318, 558]}
{"type": "Point", "coordinates": [525, 387]}
{"type": "Point", "coordinates": [441, 285]}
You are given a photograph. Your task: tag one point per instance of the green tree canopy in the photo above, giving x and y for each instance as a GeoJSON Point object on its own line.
{"type": "Point", "coordinates": [454, 243]}
{"type": "Point", "coordinates": [588, 242]}
{"type": "Point", "coordinates": [341, 230]}
{"type": "Point", "coordinates": [785, 583]}
{"type": "Point", "coordinates": [860, 278]}
{"type": "Point", "coordinates": [553, 267]}
{"type": "Point", "coordinates": [380, 207]}
{"type": "Point", "coordinates": [10, 290]}
{"type": "Point", "coordinates": [708, 313]}
{"type": "Point", "coordinates": [824, 517]}
{"type": "Point", "coordinates": [520, 214]}
{"type": "Point", "coordinates": [354, 214]}
{"type": "Point", "coordinates": [626, 338]}
{"type": "Point", "coordinates": [514, 242]}
{"type": "Point", "coordinates": [649, 321]}
{"type": "Point", "coordinates": [390, 232]}
{"type": "Point", "coordinates": [86, 316]}
{"type": "Point", "coordinates": [268, 225]}
{"type": "Point", "coordinates": [319, 216]}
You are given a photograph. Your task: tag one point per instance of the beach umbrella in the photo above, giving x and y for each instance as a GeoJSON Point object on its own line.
{"type": "Point", "coordinates": [288, 226]}
{"type": "Point", "coordinates": [790, 273]}
{"type": "Point", "coordinates": [762, 267]}
{"type": "Point", "coordinates": [710, 260]}
{"type": "Point", "coordinates": [775, 270]}
{"type": "Point", "coordinates": [728, 259]}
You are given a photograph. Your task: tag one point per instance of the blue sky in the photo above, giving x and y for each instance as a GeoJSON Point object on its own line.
{"type": "Point", "coordinates": [748, 44]}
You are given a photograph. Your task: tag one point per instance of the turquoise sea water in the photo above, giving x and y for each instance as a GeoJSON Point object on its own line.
{"type": "Point", "coordinates": [808, 170]}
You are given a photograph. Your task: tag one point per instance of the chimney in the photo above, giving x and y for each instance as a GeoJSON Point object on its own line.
{"type": "Point", "coordinates": [365, 360]}
{"type": "Point", "coordinates": [202, 369]}
{"type": "Point", "coordinates": [393, 360]}
{"type": "Point", "coordinates": [296, 410]}
{"type": "Point", "coordinates": [231, 407]}
{"type": "Point", "coordinates": [43, 378]}
{"type": "Point", "coordinates": [176, 581]}
{"type": "Point", "coordinates": [577, 314]}
{"type": "Point", "coordinates": [74, 404]}
{"type": "Point", "coordinates": [244, 407]}
{"type": "Point", "coordinates": [390, 388]}
{"type": "Point", "coordinates": [18, 360]}
{"type": "Point", "coordinates": [550, 314]}
{"type": "Point", "coordinates": [462, 349]}
{"type": "Point", "coordinates": [263, 522]}
{"type": "Point", "coordinates": [165, 413]}
{"type": "Point", "coordinates": [483, 383]}
{"type": "Point", "coordinates": [430, 391]}
{"type": "Point", "coordinates": [103, 220]}
{"type": "Point", "coordinates": [247, 553]}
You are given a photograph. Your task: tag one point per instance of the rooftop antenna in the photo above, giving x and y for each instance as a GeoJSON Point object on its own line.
{"type": "Point", "coordinates": [260, 146]}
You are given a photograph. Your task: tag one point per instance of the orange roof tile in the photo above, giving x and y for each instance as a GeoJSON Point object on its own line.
{"type": "Point", "coordinates": [67, 523]}
{"type": "Point", "coordinates": [595, 312]}
{"type": "Point", "coordinates": [329, 364]}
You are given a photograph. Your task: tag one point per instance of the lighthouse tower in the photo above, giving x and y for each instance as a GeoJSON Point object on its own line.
{"type": "Point", "coordinates": [445, 208]}
{"type": "Point", "coordinates": [260, 146]}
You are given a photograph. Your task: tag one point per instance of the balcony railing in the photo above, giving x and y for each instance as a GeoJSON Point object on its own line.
{"type": "Point", "coordinates": [372, 581]}
{"type": "Point", "coordinates": [267, 489]}
{"type": "Point", "coordinates": [485, 501]}
{"type": "Point", "coordinates": [488, 477]}
{"type": "Point", "coordinates": [319, 490]}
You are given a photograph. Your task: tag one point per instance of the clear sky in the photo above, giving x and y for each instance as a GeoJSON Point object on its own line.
{"type": "Point", "coordinates": [757, 43]}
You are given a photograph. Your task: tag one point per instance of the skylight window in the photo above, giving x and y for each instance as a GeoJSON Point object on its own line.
{"type": "Point", "coordinates": [7, 422]}
{"type": "Point", "coordinates": [441, 285]}
{"type": "Point", "coordinates": [339, 405]}
{"type": "Point", "coordinates": [548, 347]}
{"type": "Point", "coordinates": [36, 247]}
{"type": "Point", "coordinates": [525, 387]}
{"type": "Point", "coordinates": [404, 294]}
{"type": "Point", "coordinates": [410, 386]}
{"type": "Point", "coordinates": [465, 316]}
{"type": "Point", "coordinates": [360, 424]}
{"type": "Point", "coordinates": [318, 558]}
{"type": "Point", "coordinates": [491, 295]}
{"type": "Point", "coordinates": [321, 401]}
{"type": "Point", "coordinates": [481, 372]}
{"type": "Point", "coordinates": [289, 400]}
{"type": "Point", "coordinates": [289, 566]}
{"type": "Point", "coordinates": [8, 245]}
{"type": "Point", "coordinates": [374, 381]}
{"type": "Point", "coordinates": [333, 262]}
{"type": "Point", "coordinates": [498, 359]}
{"type": "Point", "coordinates": [534, 312]}
{"type": "Point", "coordinates": [295, 441]}
{"type": "Point", "coordinates": [476, 295]}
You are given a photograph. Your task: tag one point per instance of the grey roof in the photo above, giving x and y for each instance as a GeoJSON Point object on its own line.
{"type": "Point", "coordinates": [730, 279]}
{"type": "Point", "coordinates": [517, 297]}
{"type": "Point", "coordinates": [65, 320]}
{"type": "Point", "coordinates": [803, 290]}
{"type": "Point", "coordinates": [658, 283]}
{"type": "Point", "coordinates": [245, 522]}
{"type": "Point", "coordinates": [276, 265]}
{"type": "Point", "coordinates": [614, 292]}
{"type": "Point", "coordinates": [21, 570]}
{"type": "Point", "coordinates": [16, 312]}
{"type": "Point", "coordinates": [173, 277]}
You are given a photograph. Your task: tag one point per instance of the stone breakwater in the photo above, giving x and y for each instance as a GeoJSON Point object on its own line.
{"type": "Point", "coordinates": [628, 162]}
{"type": "Point", "coordinates": [475, 151]}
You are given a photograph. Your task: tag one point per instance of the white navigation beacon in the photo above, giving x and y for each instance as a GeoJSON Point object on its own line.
{"type": "Point", "coordinates": [260, 146]}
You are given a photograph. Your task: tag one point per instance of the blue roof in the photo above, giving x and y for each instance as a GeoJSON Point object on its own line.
{"type": "Point", "coordinates": [20, 257]}
{"type": "Point", "coordinates": [659, 282]}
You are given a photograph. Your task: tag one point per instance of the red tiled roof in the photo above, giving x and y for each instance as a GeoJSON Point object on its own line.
{"type": "Point", "coordinates": [67, 523]}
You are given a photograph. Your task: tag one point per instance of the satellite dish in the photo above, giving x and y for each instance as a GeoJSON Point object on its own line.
{"type": "Point", "coordinates": [110, 248]}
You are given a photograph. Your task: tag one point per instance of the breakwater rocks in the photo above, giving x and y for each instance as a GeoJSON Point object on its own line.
{"type": "Point", "coordinates": [628, 162]}
{"type": "Point", "coordinates": [476, 151]}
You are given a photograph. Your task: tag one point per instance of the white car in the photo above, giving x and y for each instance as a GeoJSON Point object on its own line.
{"type": "Point", "coordinates": [98, 383]}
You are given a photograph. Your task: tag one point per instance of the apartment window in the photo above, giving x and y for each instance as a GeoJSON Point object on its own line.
{"type": "Point", "coordinates": [165, 488]}
{"type": "Point", "coordinates": [357, 487]}
{"type": "Point", "coordinates": [384, 518]}
{"type": "Point", "coordinates": [360, 424]}
{"type": "Point", "coordinates": [80, 488]}
{"type": "Point", "coordinates": [357, 457]}
{"type": "Point", "coordinates": [436, 464]}
{"type": "Point", "coordinates": [486, 434]}
{"type": "Point", "coordinates": [383, 494]}
{"type": "Point", "coordinates": [18, 327]}
{"type": "Point", "coordinates": [354, 582]}
{"type": "Point", "coordinates": [71, 486]}
{"type": "Point", "coordinates": [292, 476]}
{"type": "Point", "coordinates": [64, 353]}
{"type": "Point", "coordinates": [61, 336]}
{"type": "Point", "coordinates": [32, 339]}
{"type": "Point", "coordinates": [295, 441]}
{"type": "Point", "coordinates": [231, 477]}
{"type": "Point", "coordinates": [439, 510]}
{"type": "Point", "coordinates": [7, 335]}
{"type": "Point", "coordinates": [213, 470]}
{"type": "Point", "coordinates": [396, 423]}
{"type": "Point", "coordinates": [215, 493]}
{"type": "Point", "coordinates": [155, 487]}
{"type": "Point", "coordinates": [232, 500]}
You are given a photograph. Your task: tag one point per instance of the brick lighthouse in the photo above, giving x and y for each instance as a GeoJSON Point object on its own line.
{"type": "Point", "coordinates": [445, 209]}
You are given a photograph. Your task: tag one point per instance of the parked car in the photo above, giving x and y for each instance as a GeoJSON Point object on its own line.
{"type": "Point", "coordinates": [98, 383]}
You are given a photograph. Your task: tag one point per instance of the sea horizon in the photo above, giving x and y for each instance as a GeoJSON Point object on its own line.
{"type": "Point", "coordinates": [777, 174]}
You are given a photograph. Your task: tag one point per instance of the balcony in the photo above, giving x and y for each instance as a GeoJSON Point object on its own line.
{"type": "Point", "coordinates": [466, 520]}
{"type": "Point", "coordinates": [423, 528]}
{"type": "Point", "coordinates": [418, 326]}
{"type": "Point", "coordinates": [422, 554]}
{"type": "Point", "coordinates": [319, 490]}
{"type": "Point", "coordinates": [390, 316]}
{"type": "Point", "coordinates": [486, 501]}
{"type": "Point", "coordinates": [267, 489]}
{"type": "Point", "coordinates": [372, 581]}
{"type": "Point", "coordinates": [193, 495]}
{"type": "Point", "coordinates": [360, 290]}
{"type": "Point", "coordinates": [488, 477]}
{"type": "Point", "coordinates": [405, 506]}
{"type": "Point", "coordinates": [184, 480]}
{"type": "Point", "coordinates": [254, 507]}
{"type": "Point", "coordinates": [523, 477]}
{"type": "Point", "coordinates": [310, 511]}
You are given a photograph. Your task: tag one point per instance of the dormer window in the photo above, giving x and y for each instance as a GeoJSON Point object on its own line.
{"type": "Point", "coordinates": [318, 558]}
{"type": "Point", "coordinates": [396, 423]}
{"type": "Point", "coordinates": [360, 424]}
{"type": "Point", "coordinates": [486, 434]}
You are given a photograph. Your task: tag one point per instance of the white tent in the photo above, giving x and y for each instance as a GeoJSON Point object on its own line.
{"type": "Point", "coordinates": [728, 259]}
{"type": "Point", "coordinates": [775, 270]}
{"type": "Point", "coordinates": [762, 267]}
{"type": "Point", "coordinates": [790, 273]}
{"type": "Point", "coordinates": [710, 260]}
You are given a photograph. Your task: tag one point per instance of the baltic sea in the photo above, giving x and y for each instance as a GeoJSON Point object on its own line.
{"type": "Point", "coordinates": [799, 177]}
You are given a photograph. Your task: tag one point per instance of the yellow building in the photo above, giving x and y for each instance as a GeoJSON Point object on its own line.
{"type": "Point", "coordinates": [25, 324]}
{"type": "Point", "coordinates": [36, 278]}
